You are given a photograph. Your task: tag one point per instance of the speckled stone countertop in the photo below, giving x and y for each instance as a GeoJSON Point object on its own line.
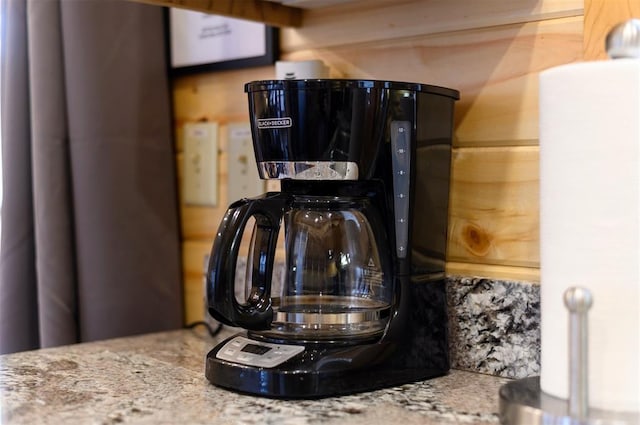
{"type": "Point", "coordinates": [158, 378]}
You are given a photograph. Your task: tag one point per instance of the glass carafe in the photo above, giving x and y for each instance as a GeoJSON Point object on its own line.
{"type": "Point", "coordinates": [334, 283]}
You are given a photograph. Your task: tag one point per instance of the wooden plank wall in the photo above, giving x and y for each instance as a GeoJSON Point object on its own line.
{"type": "Point", "coordinates": [490, 50]}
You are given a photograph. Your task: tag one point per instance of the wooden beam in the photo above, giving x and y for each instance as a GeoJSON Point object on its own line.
{"type": "Point", "coordinates": [490, 271]}
{"type": "Point", "coordinates": [599, 17]}
{"type": "Point", "coordinates": [267, 12]}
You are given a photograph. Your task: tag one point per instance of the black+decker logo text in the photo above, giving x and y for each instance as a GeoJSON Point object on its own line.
{"type": "Point", "coordinates": [275, 122]}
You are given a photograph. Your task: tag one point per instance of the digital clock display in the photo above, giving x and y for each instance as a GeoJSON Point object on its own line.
{"type": "Point", "coordinates": [255, 349]}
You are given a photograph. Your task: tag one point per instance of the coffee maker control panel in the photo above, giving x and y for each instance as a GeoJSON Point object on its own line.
{"type": "Point", "coordinates": [257, 353]}
{"type": "Point", "coordinates": [401, 167]}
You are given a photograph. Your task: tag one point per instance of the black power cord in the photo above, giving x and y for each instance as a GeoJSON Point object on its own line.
{"type": "Point", "coordinates": [213, 332]}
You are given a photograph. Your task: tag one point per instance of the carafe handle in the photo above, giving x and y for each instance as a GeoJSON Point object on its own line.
{"type": "Point", "coordinates": [256, 313]}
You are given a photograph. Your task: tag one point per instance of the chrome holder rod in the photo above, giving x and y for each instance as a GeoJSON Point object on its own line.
{"type": "Point", "coordinates": [578, 301]}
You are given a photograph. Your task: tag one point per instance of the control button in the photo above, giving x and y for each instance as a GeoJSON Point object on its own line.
{"type": "Point", "coordinates": [401, 165]}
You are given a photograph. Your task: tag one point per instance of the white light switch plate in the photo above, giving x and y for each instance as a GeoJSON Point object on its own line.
{"type": "Point", "coordinates": [200, 167]}
{"type": "Point", "coordinates": [244, 181]}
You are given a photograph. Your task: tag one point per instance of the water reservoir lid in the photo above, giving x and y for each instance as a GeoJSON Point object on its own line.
{"type": "Point", "coordinates": [339, 84]}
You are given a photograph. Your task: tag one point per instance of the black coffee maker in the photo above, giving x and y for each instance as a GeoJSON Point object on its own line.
{"type": "Point", "coordinates": [344, 289]}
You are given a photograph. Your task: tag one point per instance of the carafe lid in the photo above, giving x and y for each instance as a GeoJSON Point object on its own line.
{"type": "Point", "coordinates": [339, 84]}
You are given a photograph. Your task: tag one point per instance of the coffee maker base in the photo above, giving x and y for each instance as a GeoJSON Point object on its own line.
{"type": "Point", "coordinates": [313, 372]}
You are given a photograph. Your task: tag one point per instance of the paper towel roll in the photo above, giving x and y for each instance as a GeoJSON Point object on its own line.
{"type": "Point", "coordinates": [590, 224]}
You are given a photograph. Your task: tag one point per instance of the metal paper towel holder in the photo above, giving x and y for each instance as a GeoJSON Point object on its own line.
{"type": "Point", "coordinates": [523, 402]}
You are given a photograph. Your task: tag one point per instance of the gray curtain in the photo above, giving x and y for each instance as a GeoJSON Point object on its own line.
{"type": "Point", "coordinates": [90, 240]}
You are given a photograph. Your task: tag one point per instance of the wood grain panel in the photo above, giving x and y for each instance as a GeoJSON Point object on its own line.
{"type": "Point", "coordinates": [200, 223]}
{"type": "Point", "coordinates": [365, 21]}
{"type": "Point", "coordinates": [494, 207]}
{"type": "Point", "coordinates": [217, 96]}
{"type": "Point", "coordinates": [490, 271]}
{"type": "Point", "coordinates": [194, 254]}
{"type": "Point", "coordinates": [599, 17]}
